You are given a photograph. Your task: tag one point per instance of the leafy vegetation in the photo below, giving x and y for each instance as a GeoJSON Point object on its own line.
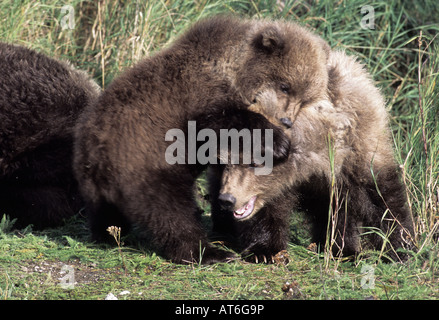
{"type": "Point", "coordinates": [401, 52]}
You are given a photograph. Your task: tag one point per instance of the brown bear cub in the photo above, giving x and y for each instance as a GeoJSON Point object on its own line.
{"type": "Point", "coordinates": [342, 140]}
{"type": "Point", "coordinates": [210, 75]}
{"type": "Point", "coordinates": [40, 100]}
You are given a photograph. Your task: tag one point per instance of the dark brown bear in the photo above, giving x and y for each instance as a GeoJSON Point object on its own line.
{"type": "Point", "coordinates": [210, 75]}
{"type": "Point", "coordinates": [40, 100]}
{"type": "Point", "coordinates": [341, 165]}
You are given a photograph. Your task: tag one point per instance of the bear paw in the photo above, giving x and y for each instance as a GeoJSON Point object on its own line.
{"type": "Point", "coordinates": [281, 145]}
{"type": "Point", "coordinates": [280, 257]}
{"type": "Point", "coordinates": [213, 255]}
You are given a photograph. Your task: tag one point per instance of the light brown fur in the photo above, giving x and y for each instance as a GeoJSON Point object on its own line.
{"type": "Point", "coordinates": [306, 81]}
{"type": "Point", "coordinates": [349, 119]}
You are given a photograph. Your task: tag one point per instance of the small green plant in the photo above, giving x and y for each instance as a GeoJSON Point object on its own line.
{"type": "Point", "coordinates": [115, 233]}
{"type": "Point", "coordinates": [6, 224]}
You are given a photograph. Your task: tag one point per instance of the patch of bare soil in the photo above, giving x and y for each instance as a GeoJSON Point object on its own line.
{"type": "Point", "coordinates": [66, 274]}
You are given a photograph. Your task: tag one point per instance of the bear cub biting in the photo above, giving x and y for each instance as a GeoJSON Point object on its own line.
{"type": "Point", "coordinates": [40, 100]}
{"type": "Point", "coordinates": [350, 123]}
{"type": "Point", "coordinates": [210, 74]}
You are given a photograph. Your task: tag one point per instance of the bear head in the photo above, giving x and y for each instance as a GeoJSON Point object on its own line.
{"type": "Point", "coordinates": [284, 69]}
{"type": "Point", "coordinates": [245, 193]}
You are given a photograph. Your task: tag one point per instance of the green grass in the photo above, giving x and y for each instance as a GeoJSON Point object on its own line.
{"type": "Point", "coordinates": [31, 266]}
{"type": "Point", "coordinates": [110, 35]}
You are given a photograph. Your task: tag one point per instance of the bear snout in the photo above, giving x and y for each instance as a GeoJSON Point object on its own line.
{"type": "Point", "coordinates": [227, 201]}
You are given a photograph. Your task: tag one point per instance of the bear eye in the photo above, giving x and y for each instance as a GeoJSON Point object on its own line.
{"type": "Point", "coordinates": [285, 88]}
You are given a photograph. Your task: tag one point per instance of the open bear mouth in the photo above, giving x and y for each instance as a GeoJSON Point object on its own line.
{"type": "Point", "coordinates": [246, 210]}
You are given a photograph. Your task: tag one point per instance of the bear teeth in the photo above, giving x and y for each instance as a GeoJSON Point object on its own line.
{"type": "Point", "coordinates": [246, 210]}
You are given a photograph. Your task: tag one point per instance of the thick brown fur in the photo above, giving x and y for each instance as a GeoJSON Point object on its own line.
{"type": "Point", "coordinates": [40, 100]}
{"type": "Point", "coordinates": [350, 121]}
{"type": "Point", "coordinates": [210, 74]}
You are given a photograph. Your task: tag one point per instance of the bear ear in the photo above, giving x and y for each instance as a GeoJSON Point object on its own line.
{"type": "Point", "coordinates": [269, 40]}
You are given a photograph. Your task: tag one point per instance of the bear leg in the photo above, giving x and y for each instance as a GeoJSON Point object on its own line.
{"type": "Point", "coordinates": [102, 215]}
{"type": "Point", "coordinates": [165, 211]}
{"type": "Point", "coordinates": [42, 205]}
{"type": "Point", "coordinates": [392, 215]}
{"type": "Point", "coordinates": [342, 223]}
{"type": "Point", "coordinates": [38, 187]}
{"type": "Point", "coordinates": [378, 202]}
{"type": "Point", "coordinates": [266, 234]}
